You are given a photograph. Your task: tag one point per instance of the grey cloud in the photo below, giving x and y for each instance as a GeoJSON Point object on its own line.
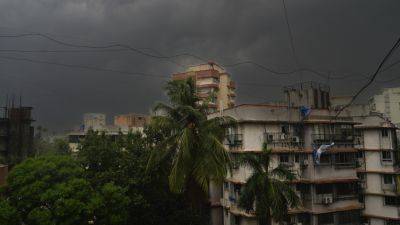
{"type": "Point", "coordinates": [332, 36]}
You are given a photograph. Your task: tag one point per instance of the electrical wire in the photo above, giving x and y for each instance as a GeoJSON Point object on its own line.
{"type": "Point", "coordinates": [292, 47]}
{"type": "Point", "coordinates": [372, 78]}
{"type": "Point", "coordinates": [158, 55]}
{"type": "Point", "coordinates": [83, 67]}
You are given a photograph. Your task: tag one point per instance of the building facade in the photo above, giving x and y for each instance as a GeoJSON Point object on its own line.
{"type": "Point", "coordinates": [97, 122]}
{"type": "Point", "coordinates": [388, 103]}
{"type": "Point", "coordinates": [328, 190]}
{"type": "Point", "coordinates": [213, 84]}
{"type": "Point", "coordinates": [131, 120]}
{"type": "Point", "coordinates": [94, 121]}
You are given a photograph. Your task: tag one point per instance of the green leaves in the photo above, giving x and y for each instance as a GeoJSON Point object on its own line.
{"type": "Point", "coordinates": [269, 189]}
{"type": "Point", "coordinates": [53, 190]}
{"type": "Point", "coordinates": [189, 144]}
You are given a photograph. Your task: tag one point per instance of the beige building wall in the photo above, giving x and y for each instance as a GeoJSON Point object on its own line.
{"type": "Point", "coordinates": [211, 79]}
{"type": "Point", "coordinates": [388, 103]}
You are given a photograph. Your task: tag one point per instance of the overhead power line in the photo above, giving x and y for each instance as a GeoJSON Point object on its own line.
{"type": "Point", "coordinates": [296, 60]}
{"type": "Point", "coordinates": [372, 78]}
{"type": "Point", "coordinates": [82, 67]}
{"type": "Point", "coordinates": [158, 55]}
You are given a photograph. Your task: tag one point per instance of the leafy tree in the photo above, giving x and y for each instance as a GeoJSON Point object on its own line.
{"type": "Point", "coordinates": [188, 141]}
{"type": "Point", "coordinates": [8, 214]}
{"type": "Point", "coordinates": [52, 190]}
{"type": "Point", "coordinates": [122, 160]}
{"type": "Point", "coordinates": [268, 188]}
{"type": "Point", "coordinates": [103, 158]}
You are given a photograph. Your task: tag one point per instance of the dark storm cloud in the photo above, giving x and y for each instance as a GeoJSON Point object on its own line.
{"type": "Point", "coordinates": [339, 37]}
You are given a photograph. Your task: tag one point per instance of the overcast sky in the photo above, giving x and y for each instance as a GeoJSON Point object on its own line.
{"type": "Point", "coordinates": [340, 38]}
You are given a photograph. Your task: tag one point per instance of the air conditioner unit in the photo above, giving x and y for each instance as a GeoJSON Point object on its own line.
{"type": "Point", "coordinates": [327, 200]}
{"type": "Point", "coordinates": [304, 163]}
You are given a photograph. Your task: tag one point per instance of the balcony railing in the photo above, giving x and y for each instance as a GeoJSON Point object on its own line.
{"type": "Point", "coordinates": [234, 140]}
{"type": "Point", "coordinates": [340, 140]}
{"type": "Point", "coordinates": [282, 140]}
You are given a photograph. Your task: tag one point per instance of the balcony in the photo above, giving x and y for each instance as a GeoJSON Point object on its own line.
{"type": "Point", "coordinates": [341, 140]}
{"type": "Point", "coordinates": [282, 140]}
{"type": "Point", "coordinates": [234, 140]}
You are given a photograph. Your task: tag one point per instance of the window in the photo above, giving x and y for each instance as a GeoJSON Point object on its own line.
{"type": "Point", "coordinates": [392, 200]}
{"type": "Point", "coordinates": [226, 185]}
{"type": "Point", "coordinates": [346, 189]}
{"type": "Point", "coordinates": [385, 133]}
{"type": "Point", "coordinates": [323, 189]}
{"type": "Point", "coordinates": [344, 158]}
{"type": "Point", "coordinates": [387, 156]}
{"type": "Point", "coordinates": [237, 220]}
{"type": "Point", "coordinates": [325, 218]}
{"type": "Point", "coordinates": [360, 154]}
{"type": "Point", "coordinates": [284, 158]}
{"type": "Point", "coordinates": [348, 217]}
{"type": "Point", "coordinates": [285, 129]}
{"type": "Point", "coordinates": [388, 179]}
{"type": "Point", "coordinates": [325, 159]}
{"type": "Point", "coordinates": [297, 158]}
{"type": "Point", "coordinates": [392, 222]}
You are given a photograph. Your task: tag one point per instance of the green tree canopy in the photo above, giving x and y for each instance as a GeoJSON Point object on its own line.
{"type": "Point", "coordinates": [52, 190]}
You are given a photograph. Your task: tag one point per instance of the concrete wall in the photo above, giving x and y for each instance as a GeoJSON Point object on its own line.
{"type": "Point", "coordinates": [376, 206]}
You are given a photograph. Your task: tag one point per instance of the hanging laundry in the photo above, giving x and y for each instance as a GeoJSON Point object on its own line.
{"type": "Point", "coordinates": [305, 111]}
{"type": "Point", "coordinates": [317, 152]}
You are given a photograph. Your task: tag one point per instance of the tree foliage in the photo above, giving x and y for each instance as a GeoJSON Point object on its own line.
{"type": "Point", "coordinates": [188, 141]}
{"type": "Point", "coordinates": [52, 190]}
{"type": "Point", "coordinates": [269, 189]}
{"type": "Point", "coordinates": [122, 160]}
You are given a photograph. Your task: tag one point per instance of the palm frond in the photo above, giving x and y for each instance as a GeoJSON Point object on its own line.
{"type": "Point", "coordinates": [281, 172]}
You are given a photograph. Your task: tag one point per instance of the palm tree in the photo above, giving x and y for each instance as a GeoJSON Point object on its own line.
{"type": "Point", "coordinates": [188, 141]}
{"type": "Point", "coordinates": [268, 189]}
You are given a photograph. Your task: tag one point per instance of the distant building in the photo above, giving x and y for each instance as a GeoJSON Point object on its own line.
{"type": "Point", "coordinates": [94, 121]}
{"type": "Point", "coordinates": [97, 122]}
{"type": "Point", "coordinates": [388, 103]}
{"type": "Point", "coordinates": [213, 83]}
{"type": "Point", "coordinates": [131, 120]}
{"type": "Point", "coordinates": [16, 134]}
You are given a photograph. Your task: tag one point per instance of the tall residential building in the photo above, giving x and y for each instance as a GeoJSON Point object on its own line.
{"type": "Point", "coordinates": [378, 170]}
{"type": "Point", "coordinates": [213, 83]}
{"type": "Point", "coordinates": [356, 182]}
{"type": "Point", "coordinates": [388, 103]}
{"type": "Point", "coordinates": [328, 190]}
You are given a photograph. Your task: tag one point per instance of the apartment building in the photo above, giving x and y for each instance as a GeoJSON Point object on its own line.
{"type": "Point", "coordinates": [388, 103]}
{"type": "Point", "coordinates": [378, 166]}
{"type": "Point", "coordinates": [94, 121]}
{"type": "Point", "coordinates": [213, 84]}
{"type": "Point", "coordinates": [131, 120]}
{"type": "Point", "coordinates": [329, 190]}
{"type": "Point", "coordinates": [97, 122]}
